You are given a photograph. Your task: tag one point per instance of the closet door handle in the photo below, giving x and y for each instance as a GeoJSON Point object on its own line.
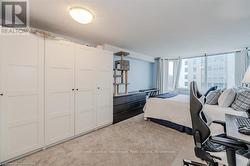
{"type": "Point", "coordinates": [1, 94]}
{"type": "Point", "coordinates": [73, 89]}
{"type": "Point", "coordinates": [77, 89]}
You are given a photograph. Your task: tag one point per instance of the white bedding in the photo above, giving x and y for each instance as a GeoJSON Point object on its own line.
{"type": "Point", "coordinates": [176, 110]}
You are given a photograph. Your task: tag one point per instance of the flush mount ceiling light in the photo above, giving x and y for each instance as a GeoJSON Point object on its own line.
{"type": "Point", "coordinates": [81, 15]}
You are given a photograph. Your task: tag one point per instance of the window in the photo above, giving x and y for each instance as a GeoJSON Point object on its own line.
{"type": "Point", "coordinates": [194, 61]}
{"type": "Point", "coordinates": [221, 71]}
{"type": "Point", "coordinates": [170, 75]}
{"type": "Point", "coordinates": [218, 70]}
{"type": "Point", "coordinates": [169, 80]}
{"type": "Point", "coordinates": [171, 72]}
{"type": "Point", "coordinates": [195, 69]}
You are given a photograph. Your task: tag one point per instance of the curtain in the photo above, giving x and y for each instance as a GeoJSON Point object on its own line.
{"type": "Point", "coordinates": [171, 74]}
{"type": "Point", "coordinates": [159, 74]}
{"type": "Point", "coordinates": [163, 81]}
{"type": "Point", "coordinates": [166, 80]}
{"type": "Point", "coordinates": [241, 64]}
{"type": "Point", "coordinates": [177, 70]}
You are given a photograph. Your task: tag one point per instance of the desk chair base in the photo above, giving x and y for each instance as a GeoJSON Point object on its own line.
{"type": "Point", "coordinates": [194, 163]}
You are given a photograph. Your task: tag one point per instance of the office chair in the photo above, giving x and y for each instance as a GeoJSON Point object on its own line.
{"type": "Point", "coordinates": [205, 144]}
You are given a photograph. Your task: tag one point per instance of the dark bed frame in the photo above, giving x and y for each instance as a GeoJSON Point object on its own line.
{"type": "Point", "coordinates": [172, 125]}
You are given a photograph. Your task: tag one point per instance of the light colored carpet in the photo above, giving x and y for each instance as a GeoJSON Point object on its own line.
{"type": "Point", "coordinates": [133, 142]}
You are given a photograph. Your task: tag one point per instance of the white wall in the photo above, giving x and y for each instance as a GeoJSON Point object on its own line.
{"type": "Point", "coordinates": [141, 75]}
{"type": "Point", "coordinates": [132, 55]}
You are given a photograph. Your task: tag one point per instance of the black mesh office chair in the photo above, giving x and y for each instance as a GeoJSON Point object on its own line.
{"type": "Point", "coordinates": [204, 142]}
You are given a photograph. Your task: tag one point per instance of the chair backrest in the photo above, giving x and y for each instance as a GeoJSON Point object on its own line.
{"type": "Point", "coordinates": [201, 131]}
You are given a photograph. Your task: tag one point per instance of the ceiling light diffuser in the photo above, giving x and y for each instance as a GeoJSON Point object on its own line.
{"type": "Point", "coordinates": [81, 15]}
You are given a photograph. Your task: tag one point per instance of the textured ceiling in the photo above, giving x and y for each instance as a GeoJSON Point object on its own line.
{"type": "Point", "coordinates": [166, 28]}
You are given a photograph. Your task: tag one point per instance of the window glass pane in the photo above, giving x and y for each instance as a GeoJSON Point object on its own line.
{"type": "Point", "coordinates": [192, 69]}
{"type": "Point", "coordinates": [170, 76]}
{"type": "Point", "coordinates": [171, 68]}
{"type": "Point", "coordinates": [218, 70]}
{"type": "Point", "coordinates": [221, 71]}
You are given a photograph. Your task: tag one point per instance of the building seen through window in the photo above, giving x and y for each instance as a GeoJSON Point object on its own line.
{"type": "Point", "coordinates": [194, 68]}
{"type": "Point", "coordinates": [218, 70]}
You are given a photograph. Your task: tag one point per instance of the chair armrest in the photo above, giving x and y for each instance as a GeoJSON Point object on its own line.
{"type": "Point", "coordinates": [229, 143]}
{"type": "Point", "coordinates": [221, 123]}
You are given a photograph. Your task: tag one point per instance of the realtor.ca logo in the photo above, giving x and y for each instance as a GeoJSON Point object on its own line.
{"type": "Point", "coordinates": [14, 17]}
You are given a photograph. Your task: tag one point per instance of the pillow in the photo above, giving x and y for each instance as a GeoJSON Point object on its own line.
{"type": "Point", "coordinates": [227, 98]}
{"type": "Point", "coordinates": [242, 101]}
{"type": "Point", "coordinates": [240, 89]}
{"type": "Point", "coordinates": [202, 99]}
{"type": "Point", "coordinates": [213, 96]}
{"type": "Point", "coordinates": [210, 89]}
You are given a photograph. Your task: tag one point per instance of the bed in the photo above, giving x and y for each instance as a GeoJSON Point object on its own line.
{"type": "Point", "coordinates": [174, 112]}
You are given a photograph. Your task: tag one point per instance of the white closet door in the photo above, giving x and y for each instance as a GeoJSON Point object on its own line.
{"type": "Point", "coordinates": [59, 93]}
{"type": "Point", "coordinates": [22, 103]}
{"type": "Point", "coordinates": [85, 114]}
{"type": "Point", "coordinates": [104, 88]}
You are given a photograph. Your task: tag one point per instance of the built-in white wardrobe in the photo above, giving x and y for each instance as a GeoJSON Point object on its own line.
{"type": "Point", "coordinates": [50, 91]}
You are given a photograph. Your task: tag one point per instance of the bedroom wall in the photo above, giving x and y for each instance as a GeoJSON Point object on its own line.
{"type": "Point", "coordinates": [140, 75]}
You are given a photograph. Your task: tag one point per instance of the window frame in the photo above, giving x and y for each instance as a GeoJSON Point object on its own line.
{"type": "Point", "coordinates": [205, 81]}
